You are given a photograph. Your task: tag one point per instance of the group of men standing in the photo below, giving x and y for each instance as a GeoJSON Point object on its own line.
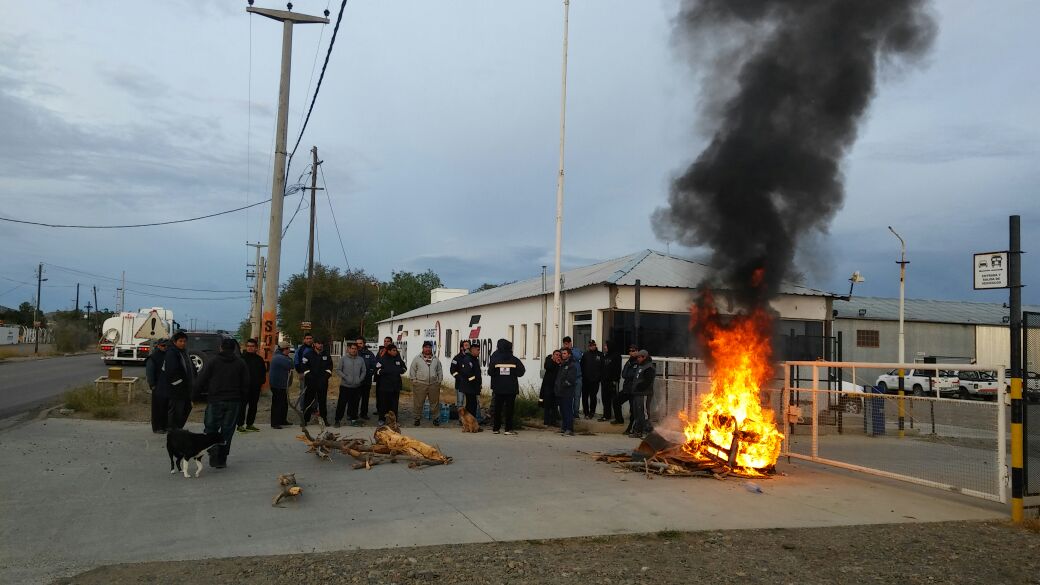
{"type": "Point", "coordinates": [229, 384]}
{"type": "Point", "coordinates": [572, 379]}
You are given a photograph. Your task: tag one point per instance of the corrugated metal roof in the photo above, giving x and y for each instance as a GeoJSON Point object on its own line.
{"type": "Point", "coordinates": [652, 269]}
{"type": "Point", "coordinates": [963, 312]}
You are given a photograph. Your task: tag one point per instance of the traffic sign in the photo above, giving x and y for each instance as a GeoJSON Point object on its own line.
{"type": "Point", "coordinates": [991, 270]}
{"type": "Point", "coordinates": [152, 328]}
{"type": "Point", "coordinates": [305, 325]}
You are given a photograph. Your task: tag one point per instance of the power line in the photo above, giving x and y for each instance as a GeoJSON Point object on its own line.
{"type": "Point", "coordinates": [334, 221]}
{"type": "Point", "coordinates": [136, 225]}
{"type": "Point", "coordinates": [150, 294]}
{"type": "Point", "coordinates": [84, 273]}
{"type": "Point", "coordinates": [317, 88]}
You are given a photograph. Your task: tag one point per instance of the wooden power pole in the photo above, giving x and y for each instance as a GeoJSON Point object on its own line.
{"type": "Point", "coordinates": [306, 325]}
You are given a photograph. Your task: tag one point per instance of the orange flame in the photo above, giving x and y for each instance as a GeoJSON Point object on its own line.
{"type": "Point", "coordinates": [739, 354]}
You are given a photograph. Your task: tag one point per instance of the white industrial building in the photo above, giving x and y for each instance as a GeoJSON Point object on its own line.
{"type": "Point", "coordinates": [598, 302]}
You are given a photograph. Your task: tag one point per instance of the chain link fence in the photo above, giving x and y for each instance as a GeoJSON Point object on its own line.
{"type": "Point", "coordinates": [1031, 405]}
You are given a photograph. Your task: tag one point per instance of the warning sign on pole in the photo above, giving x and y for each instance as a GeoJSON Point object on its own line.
{"type": "Point", "coordinates": [991, 270]}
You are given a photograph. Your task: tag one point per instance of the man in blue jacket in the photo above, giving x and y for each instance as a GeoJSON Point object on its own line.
{"type": "Point", "coordinates": [281, 378]}
{"type": "Point", "coordinates": [576, 355]}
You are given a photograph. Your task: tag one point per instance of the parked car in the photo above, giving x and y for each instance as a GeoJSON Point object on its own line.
{"type": "Point", "coordinates": [203, 346]}
{"type": "Point", "coordinates": [1030, 385]}
{"type": "Point", "coordinates": [916, 382]}
{"type": "Point", "coordinates": [977, 384]}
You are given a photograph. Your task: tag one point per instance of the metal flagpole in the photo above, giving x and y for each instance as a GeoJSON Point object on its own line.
{"type": "Point", "coordinates": [557, 336]}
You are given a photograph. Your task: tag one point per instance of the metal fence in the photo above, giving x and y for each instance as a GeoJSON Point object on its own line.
{"type": "Point", "coordinates": [956, 445]}
{"type": "Point", "coordinates": [1031, 393]}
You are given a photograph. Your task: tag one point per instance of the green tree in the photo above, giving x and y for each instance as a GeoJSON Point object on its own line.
{"type": "Point", "coordinates": [489, 286]}
{"type": "Point", "coordinates": [341, 301]}
{"type": "Point", "coordinates": [245, 327]}
{"type": "Point", "coordinates": [405, 291]}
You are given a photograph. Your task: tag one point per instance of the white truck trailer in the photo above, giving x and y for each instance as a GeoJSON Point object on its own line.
{"type": "Point", "coordinates": [127, 337]}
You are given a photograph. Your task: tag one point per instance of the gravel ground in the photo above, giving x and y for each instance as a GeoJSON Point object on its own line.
{"type": "Point", "coordinates": [955, 552]}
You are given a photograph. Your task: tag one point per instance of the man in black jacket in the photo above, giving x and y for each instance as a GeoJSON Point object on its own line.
{"type": "Point", "coordinates": [625, 395]}
{"type": "Point", "coordinates": [366, 386]}
{"type": "Point", "coordinates": [224, 380]}
{"type": "Point", "coordinates": [453, 369]}
{"type": "Point", "coordinates": [642, 388]}
{"type": "Point", "coordinates": [547, 391]}
{"type": "Point", "coordinates": [591, 374]}
{"type": "Point", "coordinates": [505, 371]}
{"type": "Point", "coordinates": [257, 376]}
{"type": "Point", "coordinates": [566, 380]}
{"type": "Point", "coordinates": [469, 378]}
{"type": "Point", "coordinates": [177, 380]}
{"type": "Point", "coordinates": [389, 368]}
{"type": "Point", "coordinates": [317, 369]}
{"type": "Point", "coordinates": [611, 377]}
{"type": "Point", "coordinates": [160, 400]}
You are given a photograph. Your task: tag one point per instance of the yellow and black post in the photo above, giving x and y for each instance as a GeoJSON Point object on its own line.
{"type": "Point", "coordinates": [1017, 408]}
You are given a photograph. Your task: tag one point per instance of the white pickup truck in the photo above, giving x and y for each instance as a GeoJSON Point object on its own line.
{"type": "Point", "coordinates": [916, 382]}
{"type": "Point", "coordinates": [119, 344]}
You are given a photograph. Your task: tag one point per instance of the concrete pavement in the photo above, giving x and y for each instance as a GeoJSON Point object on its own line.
{"type": "Point", "coordinates": [25, 384]}
{"type": "Point", "coordinates": [79, 494]}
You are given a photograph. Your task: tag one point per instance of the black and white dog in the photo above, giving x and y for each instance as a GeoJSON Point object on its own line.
{"type": "Point", "coordinates": [183, 446]}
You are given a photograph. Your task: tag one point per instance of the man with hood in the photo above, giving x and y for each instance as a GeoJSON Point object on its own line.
{"type": "Point", "coordinates": [426, 374]}
{"type": "Point", "coordinates": [389, 368]}
{"type": "Point", "coordinates": [317, 366]}
{"type": "Point", "coordinates": [281, 377]}
{"type": "Point", "coordinates": [628, 374]}
{"type": "Point", "coordinates": [352, 374]}
{"type": "Point", "coordinates": [611, 376]}
{"type": "Point", "coordinates": [453, 369]}
{"type": "Point", "coordinates": [177, 380]}
{"type": "Point", "coordinates": [257, 377]}
{"type": "Point", "coordinates": [566, 380]}
{"type": "Point", "coordinates": [160, 400]}
{"type": "Point", "coordinates": [505, 371]}
{"type": "Point", "coordinates": [224, 380]}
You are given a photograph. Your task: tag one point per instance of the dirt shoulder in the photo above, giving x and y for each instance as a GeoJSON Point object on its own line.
{"type": "Point", "coordinates": [953, 552]}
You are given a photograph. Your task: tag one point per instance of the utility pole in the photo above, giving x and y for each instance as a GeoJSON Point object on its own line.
{"type": "Point", "coordinates": [557, 335]}
{"type": "Point", "coordinates": [258, 286]}
{"type": "Point", "coordinates": [36, 314]}
{"type": "Point", "coordinates": [1018, 478]}
{"type": "Point", "coordinates": [96, 309]}
{"type": "Point", "coordinates": [122, 294]}
{"type": "Point", "coordinates": [310, 246]}
{"type": "Point", "coordinates": [269, 324]}
{"type": "Point", "coordinates": [77, 298]}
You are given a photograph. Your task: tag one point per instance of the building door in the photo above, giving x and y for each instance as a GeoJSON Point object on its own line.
{"type": "Point", "coordinates": [582, 335]}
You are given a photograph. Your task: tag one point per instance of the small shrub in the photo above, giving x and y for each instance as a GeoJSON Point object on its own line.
{"type": "Point", "coordinates": [106, 412]}
{"type": "Point", "coordinates": [87, 399]}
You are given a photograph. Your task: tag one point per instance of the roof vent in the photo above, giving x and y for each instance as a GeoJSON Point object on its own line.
{"type": "Point", "coordinates": [862, 312]}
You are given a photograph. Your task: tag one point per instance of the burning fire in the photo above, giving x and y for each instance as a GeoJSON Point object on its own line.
{"type": "Point", "coordinates": [732, 427]}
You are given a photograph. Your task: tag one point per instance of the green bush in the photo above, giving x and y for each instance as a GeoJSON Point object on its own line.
{"type": "Point", "coordinates": [526, 407]}
{"type": "Point", "coordinates": [106, 412]}
{"type": "Point", "coordinates": [87, 399]}
{"type": "Point", "coordinates": [72, 336]}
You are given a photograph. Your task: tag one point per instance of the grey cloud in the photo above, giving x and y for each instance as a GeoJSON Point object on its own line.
{"type": "Point", "coordinates": [956, 143]}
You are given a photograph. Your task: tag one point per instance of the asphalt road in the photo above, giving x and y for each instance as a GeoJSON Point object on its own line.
{"type": "Point", "coordinates": [29, 383]}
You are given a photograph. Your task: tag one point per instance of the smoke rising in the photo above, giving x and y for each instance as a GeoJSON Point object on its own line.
{"type": "Point", "coordinates": [786, 83]}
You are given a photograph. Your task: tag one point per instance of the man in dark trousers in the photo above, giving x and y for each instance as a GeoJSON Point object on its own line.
{"type": "Point", "coordinates": [470, 378]}
{"type": "Point", "coordinates": [281, 377]}
{"type": "Point", "coordinates": [547, 391]}
{"type": "Point", "coordinates": [611, 377]}
{"type": "Point", "coordinates": [566, 380]}
{"type": "Point", "coordinates": [257, 377]}
{"type": "Point", "coordinates": [642, 389]}
{"type": "Point", "coordinates": [591, 374]}
{"type": "Point", "coordinates": [504, 371]}
{"type": "Point", "coordinates": [316, 370]}
{"type": "Point", "coordinates": [301, 352]}
{"type": "Point", "coordinates": [388, 386]}
{"type": "Point", "coordinates": [160, 401]}
{"type": "Point", "coordinates": [177, 380]}
{"type": "Point", "coordinates": [453, 369]}
{"type": "Point", "coordinates": [224, 380]}
{"type": "Point", "coordinates": [628, 373]}
{"type": "Point", "coordinates": [366, 386]}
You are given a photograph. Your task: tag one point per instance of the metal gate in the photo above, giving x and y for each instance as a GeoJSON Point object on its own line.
{"type": "Point", "coordinates": [1031, 401]}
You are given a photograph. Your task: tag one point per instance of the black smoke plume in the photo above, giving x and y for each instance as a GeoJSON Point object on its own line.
{"type": "Point", "coordinates": [786, 85]}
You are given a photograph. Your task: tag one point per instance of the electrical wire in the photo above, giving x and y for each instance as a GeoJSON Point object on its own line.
{"type": "Point", "coordinates": [334, 221]}
{"type": "Point", "coordinates": [11, 290]}
{"type": "Point", "coordinates": [150, 294]}
{"type": "Point", "coordinates": [84, 273]}
{"type": "Point", "coordinates": [317, 88]}
{"type": "Point", "coordinates": [135, 225]}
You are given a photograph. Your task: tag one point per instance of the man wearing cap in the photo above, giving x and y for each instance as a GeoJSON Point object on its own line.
{"type": "Point", "coordinates": [160, 399]}
{"type": "Point", "coordinates": [625, 395]}
{"type": "Point", "coordinates": [642, 388]}
{"type": "Point", "coordinates": [576, 355]}
{"type": "Point", "coordinates": [426, 374]}
{"type": "Point", "coordinates": [281, 378]}
{"type": "Point", "coordinates": [591, 373]}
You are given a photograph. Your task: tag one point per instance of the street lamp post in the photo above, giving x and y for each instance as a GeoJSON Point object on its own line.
{"type": "Point", "coordinates": [902, 348]}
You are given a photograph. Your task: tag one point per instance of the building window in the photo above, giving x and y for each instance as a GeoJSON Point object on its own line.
{"type": "Point", "coordinates": [523, 341]}
{"type": "Point", "coordinates": [448, 349]}
{"type": "Point", "coordinates": [868, 338]}
{"type": "Point", "coordinates": [417, 333]}
{"type": "Point", "coordinates": [538, 340]}
{"type": "Point", "coordinates": [509, 334]}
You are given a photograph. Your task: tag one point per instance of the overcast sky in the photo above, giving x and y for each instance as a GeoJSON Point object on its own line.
{"type": "Point", "coordinates": [438, 125]}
